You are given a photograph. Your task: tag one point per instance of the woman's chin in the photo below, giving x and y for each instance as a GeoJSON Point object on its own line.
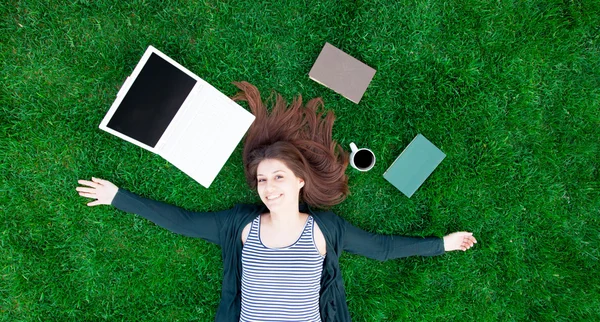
{"type": "Point", "coordinates": [272, 207]}
{"type": "Point", "coordinates": [276, 205]}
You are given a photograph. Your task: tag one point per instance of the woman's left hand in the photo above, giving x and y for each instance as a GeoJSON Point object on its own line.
{"type": "Point", "coordinates": [461, 240]}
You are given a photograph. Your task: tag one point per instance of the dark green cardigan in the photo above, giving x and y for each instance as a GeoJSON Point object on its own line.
{"type": "Point", "coordinates": [224, 228]}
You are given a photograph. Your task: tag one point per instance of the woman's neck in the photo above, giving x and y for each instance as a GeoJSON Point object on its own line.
{"type": "Point", "coordinates": [285, 218]}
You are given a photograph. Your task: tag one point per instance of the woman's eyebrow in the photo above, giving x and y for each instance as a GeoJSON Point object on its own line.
{"type": "Point", "coordinates": [260, 174]}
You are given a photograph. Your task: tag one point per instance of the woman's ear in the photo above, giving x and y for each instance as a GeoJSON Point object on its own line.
{"type": "Point", "coordinates": [301, 183]}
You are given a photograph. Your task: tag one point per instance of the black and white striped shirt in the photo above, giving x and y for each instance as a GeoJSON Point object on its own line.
{"type": "Point", "coordinates": [281, 284]}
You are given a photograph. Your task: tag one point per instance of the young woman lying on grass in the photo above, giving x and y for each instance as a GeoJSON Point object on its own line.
{"type": "Point", "coordinates": [281, 259]}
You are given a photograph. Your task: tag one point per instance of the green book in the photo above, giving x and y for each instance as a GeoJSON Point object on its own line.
{"type": "Point", "coordinates": [414, 165]}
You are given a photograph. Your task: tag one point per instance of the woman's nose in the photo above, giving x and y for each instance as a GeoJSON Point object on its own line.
{"type": "Point", "coordinates": [268, 186]}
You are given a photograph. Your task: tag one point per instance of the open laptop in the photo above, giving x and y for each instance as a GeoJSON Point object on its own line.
{"type": "Point", "coordinates": [166, 109]}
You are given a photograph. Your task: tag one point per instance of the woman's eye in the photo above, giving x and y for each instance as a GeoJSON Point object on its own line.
{"type": "Point", "coordinates": [261, 180]}
{"type": "Point", "coordinates": [278, 177]}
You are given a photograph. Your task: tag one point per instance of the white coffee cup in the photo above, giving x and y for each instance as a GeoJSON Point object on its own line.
{"type": "Point", "coordinates": [361, 159]}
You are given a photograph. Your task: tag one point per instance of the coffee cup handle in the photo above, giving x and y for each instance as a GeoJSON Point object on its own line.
{"type": "Point", "coordinates": [353, 147]}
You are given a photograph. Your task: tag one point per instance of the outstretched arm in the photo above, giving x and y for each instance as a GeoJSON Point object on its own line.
{"type": "Point", "coordinates": [384, 247]}
{"type": "Point", "coordinates": [205, 225]}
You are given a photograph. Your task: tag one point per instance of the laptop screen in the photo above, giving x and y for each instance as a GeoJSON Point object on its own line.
{"type": "Point", "coordinates": [152, 101]}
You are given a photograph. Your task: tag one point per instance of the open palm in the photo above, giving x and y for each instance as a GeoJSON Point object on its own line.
{"type": "Point", "coordinates": [103, 191]}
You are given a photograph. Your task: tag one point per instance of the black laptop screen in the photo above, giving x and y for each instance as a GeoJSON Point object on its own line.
{"type": "Point", "coordinates": [152, 101]}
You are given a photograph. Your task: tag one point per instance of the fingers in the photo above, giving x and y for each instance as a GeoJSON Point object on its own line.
{"type": "Point", "coordinates": [88, 195]}
{"type": "Point", "coordinates": [88, 183]}
{"type": "Point", "coordinates": [94, 203]}
{"type": "Point", "coordinates": [100, 181]}
{"type": "Point", "coordinates": [470, 238]}
{"type": "Point", "coordinates": [94, 183]}
{"type": "Point", "coordinates": [468, 242]}
{"type": "Point", "coordinates": [88, 190]}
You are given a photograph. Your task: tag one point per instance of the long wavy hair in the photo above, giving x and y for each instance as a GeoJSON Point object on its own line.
{"type": "Point", "coordinates": [300, 137]}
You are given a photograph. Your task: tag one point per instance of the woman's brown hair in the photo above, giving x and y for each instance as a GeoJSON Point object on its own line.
{"type": "Point", "coordinates": [300, 137]}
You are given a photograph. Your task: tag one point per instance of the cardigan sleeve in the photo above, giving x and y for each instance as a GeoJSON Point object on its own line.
{"type": "Point", "coordinates": [384, 247]}
{"type": "Point", "coordinates": [205, 225]}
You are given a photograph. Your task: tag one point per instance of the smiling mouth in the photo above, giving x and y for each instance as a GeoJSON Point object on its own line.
{"type": "Point", "coordinates": [273, 197]}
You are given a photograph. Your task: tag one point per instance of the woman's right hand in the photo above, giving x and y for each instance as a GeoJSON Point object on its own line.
{"type": "Point", "coordinates": [103, 191]}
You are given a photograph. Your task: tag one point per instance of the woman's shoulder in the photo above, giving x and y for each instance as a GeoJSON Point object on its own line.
{"type": "Point", "coordinates": [244, 207]}
{"type": "Point", "coordinates": [245, 213]}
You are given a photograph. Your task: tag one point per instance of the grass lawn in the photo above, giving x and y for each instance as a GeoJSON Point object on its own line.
{"type": "Point", "coordinates": [509, 90]}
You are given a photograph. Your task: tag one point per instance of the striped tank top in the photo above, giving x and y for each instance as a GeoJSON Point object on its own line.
{"type": "Point", "coordinates": [281, 284]}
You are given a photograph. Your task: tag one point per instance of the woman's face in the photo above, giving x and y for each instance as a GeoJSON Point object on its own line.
{"type": "Point", "coordinates": [277, 185]}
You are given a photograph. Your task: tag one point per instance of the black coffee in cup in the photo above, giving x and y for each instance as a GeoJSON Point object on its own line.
{"type": "Point", "coordinates": [363, 159]}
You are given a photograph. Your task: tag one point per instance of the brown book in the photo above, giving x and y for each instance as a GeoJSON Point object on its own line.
{"type": "Point", "coordinates": [342, 73]}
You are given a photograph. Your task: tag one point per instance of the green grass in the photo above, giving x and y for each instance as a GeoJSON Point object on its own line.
{"type": "Point", "coordinates": [509, 90]}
